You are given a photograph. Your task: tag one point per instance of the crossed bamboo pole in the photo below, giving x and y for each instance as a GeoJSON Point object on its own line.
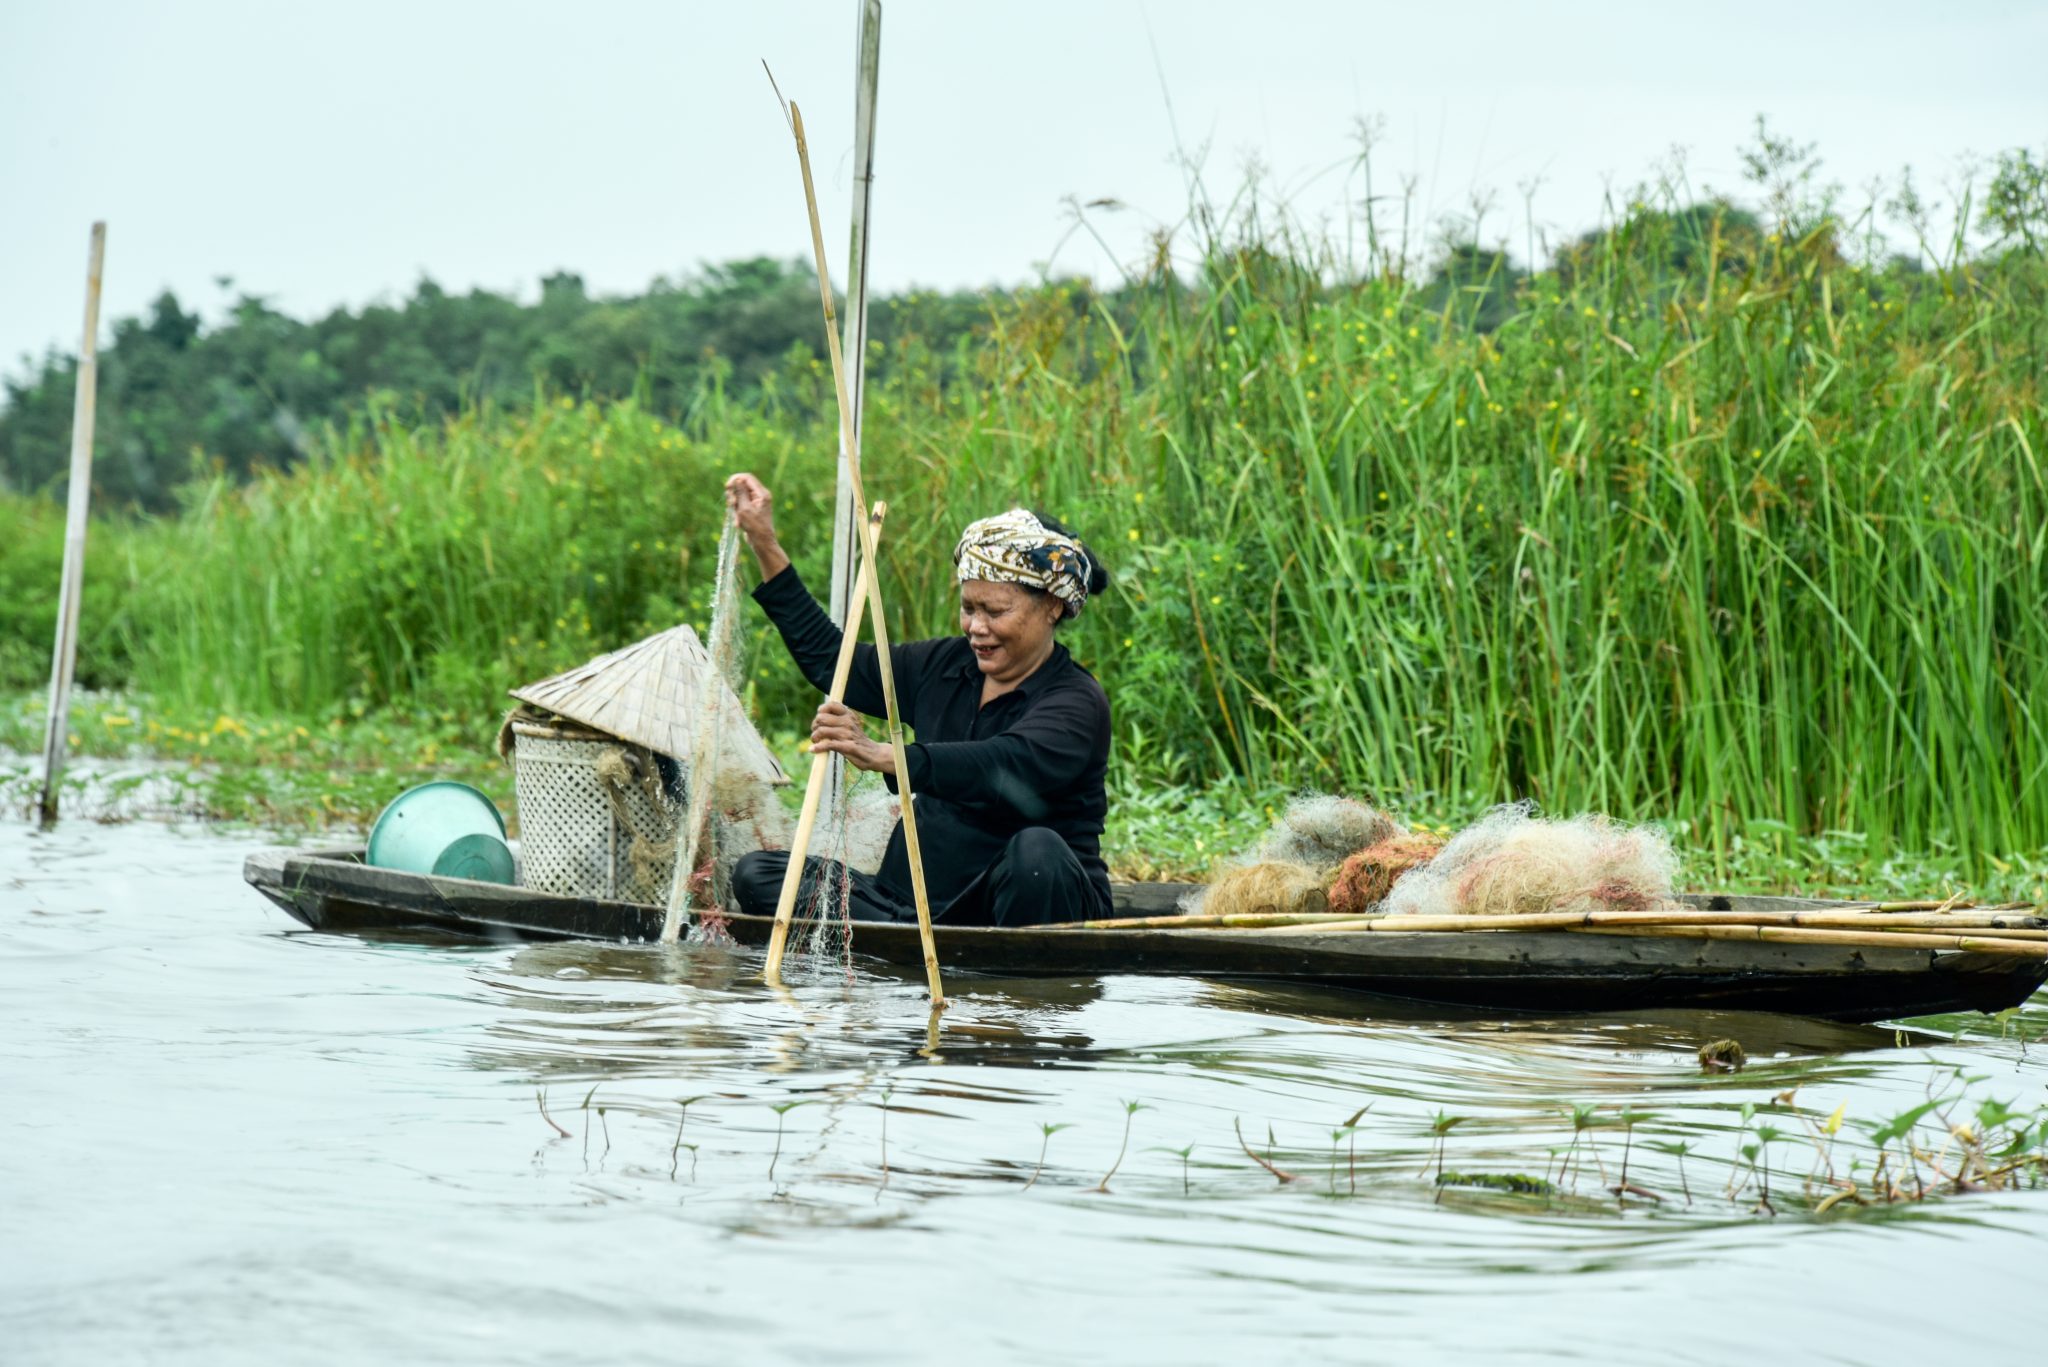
{"type": "Point", "coordinates": [821, 767]}
{"type": "Point", "coordinates": [870, 583]}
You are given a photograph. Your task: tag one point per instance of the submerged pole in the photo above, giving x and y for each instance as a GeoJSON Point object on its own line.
{"type": "Point", "coordinates": [57, 728]}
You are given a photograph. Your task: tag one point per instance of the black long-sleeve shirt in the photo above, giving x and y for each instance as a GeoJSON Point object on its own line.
{"type": "Point", "coordinates": [1035, 756]}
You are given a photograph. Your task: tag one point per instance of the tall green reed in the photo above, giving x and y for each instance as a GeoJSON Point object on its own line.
{"type": "Point", "coordinates": [1703, 524]}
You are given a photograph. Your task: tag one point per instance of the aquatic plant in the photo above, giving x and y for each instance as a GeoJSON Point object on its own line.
{"type": "Point", "coordinates": [1131, 1109]}
{"type": "Point", "coordinates": [887, 1092]}
{"type": "Point", "coordinates": [540, 1099]}
{"type": "Point", "coordinates": [1678, 1149]}
{"type": "Point", "coordinates": [1440, 1128]}
{"type": "Point", "coordinates": [782, 1110]}
{"type": "Point", "coordinates": [1975, 1145]}
{"type": "Point", "coordinates": [1046, 1132]}
{"type": "Point", "coordinates": [1623, 1188]}
{"type": "Point", "coordinates": [585, 1108]}
{"type": "Point", "coordinates": [1722, 1056]}
{"type": "Point", "coordinates": [1279, 1174]}
{"type": "Point", "coordinates": [1585, 1119]}
{"type": "Point", "coordinates": [1515, 1183]}
{"type": "Point", "coordinates": [1350, 1131]}
{"type": "Point", "coordinates": [683, 1104]}
{"type": "Point", "coordinates": [1183, 1153]}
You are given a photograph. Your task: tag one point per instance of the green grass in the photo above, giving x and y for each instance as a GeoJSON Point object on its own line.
{"type": "Point", "coordinates": [1742, 537]}
{"type": "Point", "coordinates": [305, 778]}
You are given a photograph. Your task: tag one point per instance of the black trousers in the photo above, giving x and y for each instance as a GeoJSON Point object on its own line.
{"type": "Point", "coordinates": [1034, 880]}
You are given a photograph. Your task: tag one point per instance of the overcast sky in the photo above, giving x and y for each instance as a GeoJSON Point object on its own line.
{"type": "Point", "coordinates": [328, 153]}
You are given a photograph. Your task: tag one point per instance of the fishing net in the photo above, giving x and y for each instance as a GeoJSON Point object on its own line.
{"type": "Point", "coordinates": [729, 811]}
{"type": "Point", "coordinates": [1364, 879]}
{"type": "Point", "coordinates": [1321, 831]}
{"type": "Point", "coordinates": [823, 929]}
{"type": "Point", "coordinates": [1268, 887]}
{"type": "Point", "coordinates": [1514, 862]}
{"type": "Point", "coordinates": [701, 880]}
{"type": "Point", "coordinates": [1288, 871]}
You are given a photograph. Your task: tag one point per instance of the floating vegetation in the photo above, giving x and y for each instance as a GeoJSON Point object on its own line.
{"type": "Point", "coordinates": [1778, 1159]}
{"type": "Point", "coordinates": [1722, 1056]}
{"type": "Point", "coordinates": [1520, 1184]}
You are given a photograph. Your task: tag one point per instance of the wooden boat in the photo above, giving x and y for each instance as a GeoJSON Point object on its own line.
{"type": "Point", "coordinates": [1489, 971]}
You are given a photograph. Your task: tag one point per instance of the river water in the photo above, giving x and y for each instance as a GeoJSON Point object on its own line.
{"type": "Point", "coordinates": [227, 1139]}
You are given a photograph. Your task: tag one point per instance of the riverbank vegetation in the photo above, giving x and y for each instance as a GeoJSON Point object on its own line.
{"type": "Point", "coordinates": [1722, 518]}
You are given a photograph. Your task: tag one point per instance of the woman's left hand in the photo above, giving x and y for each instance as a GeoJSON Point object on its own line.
{"type": "Point", "coordinates": [837, 730]}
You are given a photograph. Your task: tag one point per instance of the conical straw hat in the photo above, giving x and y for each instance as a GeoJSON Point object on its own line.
{"type": "Point", "coordinates": [649, 693]}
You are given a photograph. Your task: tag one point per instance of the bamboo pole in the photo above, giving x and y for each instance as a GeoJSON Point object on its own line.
{"type": "Point", "coordinates": [1619, 920]}
{"type": "Point", "coordinates": [1897, 939]}
{"type": "Point", "coordinates": [845, 508]}
{"type": "Point", "coordinates": [814, 786]}
{"type": "Point", "coordinates": [876, 609]}
{"type": "Point", "coordinates": [1873, 932]}
{"type": "Point", "coordinates": [2016, 922]}
{"type": "Point", "coordinates": [64, 654]}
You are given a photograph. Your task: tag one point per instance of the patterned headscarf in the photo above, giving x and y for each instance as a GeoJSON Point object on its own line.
{"type": "Point", "coordinates": [1016, 548]}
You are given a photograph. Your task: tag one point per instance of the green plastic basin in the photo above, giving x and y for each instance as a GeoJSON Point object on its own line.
{"type": "Point", "coordinates": [443, 828]}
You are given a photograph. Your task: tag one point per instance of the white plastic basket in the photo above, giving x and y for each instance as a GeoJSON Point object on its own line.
{"type": "Point", "coordinates": [582, 835]}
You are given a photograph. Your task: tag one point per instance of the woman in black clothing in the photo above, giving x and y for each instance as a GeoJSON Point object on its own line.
{"type": "Point", "coordinates": [1012, 735]}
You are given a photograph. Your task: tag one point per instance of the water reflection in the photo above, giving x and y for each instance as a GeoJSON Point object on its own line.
{"type": "Point", "coordinates": [292, 1137]}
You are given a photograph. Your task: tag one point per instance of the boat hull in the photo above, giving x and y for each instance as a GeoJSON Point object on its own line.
{"type": "Point", "coordinates": [1489, 971]}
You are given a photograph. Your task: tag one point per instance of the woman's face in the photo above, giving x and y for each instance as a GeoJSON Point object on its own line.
{"type": "Point", "coordinates": [1009, 626]}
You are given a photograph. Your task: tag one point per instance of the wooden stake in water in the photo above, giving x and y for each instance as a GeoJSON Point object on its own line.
{"type": "Point", "coordinates": [876, 609]}
{"type": "Point", "coordinates": [57, 728]}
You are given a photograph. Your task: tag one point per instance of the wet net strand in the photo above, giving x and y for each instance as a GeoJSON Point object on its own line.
{"type": "Point", "coordinates": [695, 835]}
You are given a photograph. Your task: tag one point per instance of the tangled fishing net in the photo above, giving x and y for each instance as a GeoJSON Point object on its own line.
{"type": "Point", "coordinates": [731, 811]}
{"type": "Point", "coordinates": [695, 880]}
{"type": "Point", "coordinates": [863, 824]}
{"type": "Point", "coordinates": [1267, 888]}
{"type": "Point", "coordinates": [1320, 832]}
{"type": "Point", "coordinates": [1364, 879]}
{"type": "Point", "coordinates": [1288, 870]}
{"type": "Point", "coordinates": [1515, 863]}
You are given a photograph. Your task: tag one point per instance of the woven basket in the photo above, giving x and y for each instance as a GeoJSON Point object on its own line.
{"type": "Point", "coordinates": [581, 835]}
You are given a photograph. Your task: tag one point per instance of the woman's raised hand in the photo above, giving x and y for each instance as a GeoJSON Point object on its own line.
{"type": "Point", "coordinates": [753, 508]}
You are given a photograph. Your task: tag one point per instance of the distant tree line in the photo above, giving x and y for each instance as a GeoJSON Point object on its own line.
{"type": "Point", "coordinates": [177, 397]}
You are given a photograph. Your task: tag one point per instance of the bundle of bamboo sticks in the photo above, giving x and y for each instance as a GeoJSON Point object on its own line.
{"type": "Point", "coordinates": [2014, 929]}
